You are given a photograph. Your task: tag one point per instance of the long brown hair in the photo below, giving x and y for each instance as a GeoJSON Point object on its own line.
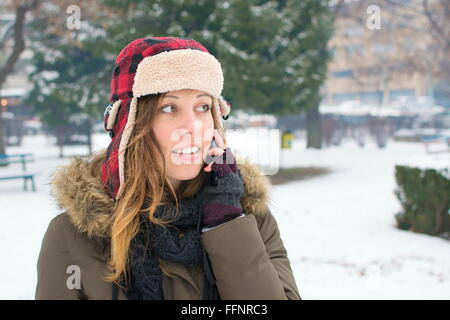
{"type": "Point", "coordinates": [144, 184]}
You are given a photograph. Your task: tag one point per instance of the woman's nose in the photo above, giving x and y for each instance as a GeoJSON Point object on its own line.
{"type": "Point", "coordinates": [190, 121]}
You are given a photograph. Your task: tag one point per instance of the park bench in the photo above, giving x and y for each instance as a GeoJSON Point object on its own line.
{"type": "Point", "coordinates": [22, 158]}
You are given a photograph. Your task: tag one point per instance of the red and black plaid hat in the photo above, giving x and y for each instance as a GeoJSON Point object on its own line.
{"type": "Point", "coordinates": [150, 66]}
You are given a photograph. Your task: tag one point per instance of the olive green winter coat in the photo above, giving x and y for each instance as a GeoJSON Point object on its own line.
{"type": "Point", "coordinates": [247, 254]}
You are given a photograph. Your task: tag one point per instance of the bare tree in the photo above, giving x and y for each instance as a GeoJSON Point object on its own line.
{"type": "Point", "coordinates": [16, 31]}
{"type": "Point", "coordinates": [438, 16]}
{"type": "Point", "coordinates": [430, 55]}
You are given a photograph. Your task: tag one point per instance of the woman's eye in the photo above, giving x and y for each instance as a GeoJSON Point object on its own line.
{"type": "Point", "coordinates": [162, 109]}
{"type": "Point", "coordinates": [206, 107]}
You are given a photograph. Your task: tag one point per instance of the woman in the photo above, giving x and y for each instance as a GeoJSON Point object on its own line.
{"type": "Point", "coordinates": [147, 218]}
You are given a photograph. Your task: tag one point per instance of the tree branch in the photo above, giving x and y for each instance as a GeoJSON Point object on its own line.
{"type": "Point", "coordinates": [434, 23]}
{"type": "Point", "coordinates": [6, 35]}
{"type": "Point", "coordinates": [19, 42]}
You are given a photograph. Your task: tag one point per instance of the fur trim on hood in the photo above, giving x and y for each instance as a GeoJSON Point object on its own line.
{"type": "Point", "coordinates": [78, 190]}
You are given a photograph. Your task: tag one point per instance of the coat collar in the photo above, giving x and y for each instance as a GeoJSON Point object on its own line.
{"type": "Point", "coordinates": [78, 190]}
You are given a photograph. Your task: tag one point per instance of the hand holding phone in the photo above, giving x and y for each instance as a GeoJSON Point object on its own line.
{"type": "Point", "coordinates": [225, 179]}
{"type": "Point", "coordinates": [210, 158]}
{"type": "Point", "coordinates": [223, 163]}
{"type": "Point", "coordinates": [217, 149]}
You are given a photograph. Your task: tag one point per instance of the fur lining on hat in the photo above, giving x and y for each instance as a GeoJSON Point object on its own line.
{"type": "Point", "coordinates": [79, 191]}
{"type": "Point", "coordinates": [127, 132]}
{"type": "Point", "coordinates": [177, 70]}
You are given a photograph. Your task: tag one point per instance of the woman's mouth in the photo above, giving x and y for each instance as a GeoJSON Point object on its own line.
{"type": "Point", "coordinates": [187, 154]}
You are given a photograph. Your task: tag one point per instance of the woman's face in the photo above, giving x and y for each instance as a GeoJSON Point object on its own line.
{"type": "Point", "coordinates": [184, 128]}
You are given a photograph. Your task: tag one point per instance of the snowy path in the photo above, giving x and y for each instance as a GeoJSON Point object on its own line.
{"type": "Point", "coordinates": [338, 229]}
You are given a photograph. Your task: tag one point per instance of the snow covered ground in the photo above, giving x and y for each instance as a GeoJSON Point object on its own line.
{"type": "Point", "coordinates": [339, 229]}
{"type": "Point", "coordinates": [340, 232]}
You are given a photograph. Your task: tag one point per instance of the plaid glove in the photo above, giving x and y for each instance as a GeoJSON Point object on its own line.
{"type": "Point", "coordinates": [220, 199]}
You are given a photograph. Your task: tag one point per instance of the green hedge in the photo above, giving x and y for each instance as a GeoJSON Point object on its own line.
{"type": "Point", "coordinates": [424, 195]}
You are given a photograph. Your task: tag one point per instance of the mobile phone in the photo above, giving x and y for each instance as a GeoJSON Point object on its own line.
{"type": "Point", "coordinates": [209, 158]}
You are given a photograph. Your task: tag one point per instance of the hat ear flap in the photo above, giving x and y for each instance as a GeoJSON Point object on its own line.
{"type": "Point", "coordinates": [120, 124]}
{"type": "Point", "coordinates": [218, 119]}
{"type": "Point", "coordinates": [224, 108]}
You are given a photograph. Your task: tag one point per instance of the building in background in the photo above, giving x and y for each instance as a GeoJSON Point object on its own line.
{"type": "Point", "coordinates": [379, 66]}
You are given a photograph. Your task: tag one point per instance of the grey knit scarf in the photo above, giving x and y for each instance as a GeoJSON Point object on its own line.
{"type": "Point", "coordinates": [178, 242]}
